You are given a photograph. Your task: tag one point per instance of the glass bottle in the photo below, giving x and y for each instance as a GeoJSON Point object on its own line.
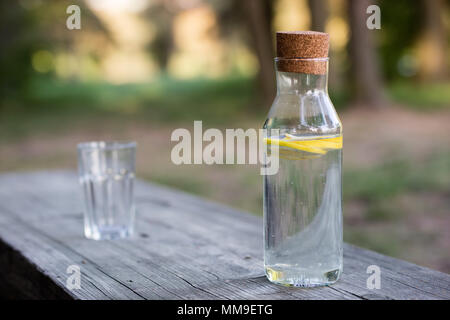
{"type": "Point", "coordinates": [303, 243]}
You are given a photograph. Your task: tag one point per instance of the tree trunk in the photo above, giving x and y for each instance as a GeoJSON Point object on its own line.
{"type": "Point", "coordinates": [365, 74]}
{"type": "Point", "coordinates": [259, 13]}
{"type": "Point", "coordinates": [319, 14]}
{"type": "Point", "coordinates": [164, 42]}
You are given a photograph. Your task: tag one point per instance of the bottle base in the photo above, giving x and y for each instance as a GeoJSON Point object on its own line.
{"type": "Point", "coordinates": [295, 277]}
{"type": "Point", "coordinates": [108, 233]}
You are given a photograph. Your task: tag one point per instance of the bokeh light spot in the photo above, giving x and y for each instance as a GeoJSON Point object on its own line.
{"type": "Point", "coordinates": [42, 61]}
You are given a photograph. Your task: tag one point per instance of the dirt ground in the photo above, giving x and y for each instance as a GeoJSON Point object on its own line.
{"type": "Point", "coordinates": [420, 234]}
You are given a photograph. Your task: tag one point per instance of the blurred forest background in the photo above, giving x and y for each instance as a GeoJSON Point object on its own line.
{"type": "Point", "coordinates": [139, 69]}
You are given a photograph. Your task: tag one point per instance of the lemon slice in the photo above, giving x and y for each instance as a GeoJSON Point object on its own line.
{"type": "Point", "coordinates": [294, 145]}
{"type": "Point", "coordinates": [293, 149]}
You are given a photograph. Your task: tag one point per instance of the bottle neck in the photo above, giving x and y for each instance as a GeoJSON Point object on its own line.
{"type": "Point", "coordinates": [302, 104]}
{"type": "Point", "coordinates": [300, 83]}
{"type": "Point", "coordinates": [303, 81]}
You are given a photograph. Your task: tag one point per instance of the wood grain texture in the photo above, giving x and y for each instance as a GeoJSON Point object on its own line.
{"type": "Point", "coordinates": [185, 247]}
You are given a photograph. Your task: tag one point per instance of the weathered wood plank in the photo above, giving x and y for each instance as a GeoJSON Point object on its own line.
{"type": "Point", "coordinates": [185, 248]}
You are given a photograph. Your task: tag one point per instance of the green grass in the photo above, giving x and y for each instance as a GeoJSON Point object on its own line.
{"type": "Point", "coordinates": [51, 105]}
{"type": "Point", "coordinates": [392, 178]}
{"type": "Point", "coordinates": [421, 96]}
{"type": "Point", "coordinates": [164, 99]}
{"type": "Point", "coordinates": [377, 240]}
{"type": "Point", "coordinates": [378, 186]}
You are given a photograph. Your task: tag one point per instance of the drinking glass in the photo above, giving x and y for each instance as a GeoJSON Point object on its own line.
{"type": "Point", "coordinates": [106, 174]}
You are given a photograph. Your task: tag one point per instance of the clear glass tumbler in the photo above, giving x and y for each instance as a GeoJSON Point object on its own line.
{"type": "Point", "coordinates": [106, 173]}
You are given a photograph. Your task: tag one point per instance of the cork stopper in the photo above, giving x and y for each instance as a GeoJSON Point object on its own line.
{"type": "Point", "coordinates": [296, 49]}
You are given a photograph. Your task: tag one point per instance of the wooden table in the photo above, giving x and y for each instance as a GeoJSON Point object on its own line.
{"type": "Point", "coordinates": [185, 248]}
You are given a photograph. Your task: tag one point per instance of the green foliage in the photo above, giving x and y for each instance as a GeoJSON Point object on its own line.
{"type": "Point", "coordinates": [379, 240]}
{"type": "Point", "coordinates": [165, 100]}
{"type": "Point", "coordinates": [18, 40]}
{"type": "Point", "coordinates": [378, 183]}
{"type": "Point", "coordinates": [423, 96]}
{"type": "Point", "coordinates": [401, 24]}
{"type": "Point", "coordinates": [395, 177]}
{"type": "Point", "coordinates": [378, 186]}
{"type": "Point", "coordinates": [49, 104]}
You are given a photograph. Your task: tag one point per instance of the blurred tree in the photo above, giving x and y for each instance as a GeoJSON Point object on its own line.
{"type": "Point", "coordinates": [319, 11]}
{"type": "Point", "coordinates": [31, 32]}
{"type": "Point", "coordinates": [251, 22]}
{"type": "Point", "coordinates": [258, 15]}
{"type": "Point", "coordinates": [365, 73]}
{"type": "Point", "coordinates": [319, 14]}
{"type": "Point", "coordinates": [162, 14]}
{"type": "Point", "coordinates": [401, 24]}
{"type": "Point", "coordinates": [18, 39]}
